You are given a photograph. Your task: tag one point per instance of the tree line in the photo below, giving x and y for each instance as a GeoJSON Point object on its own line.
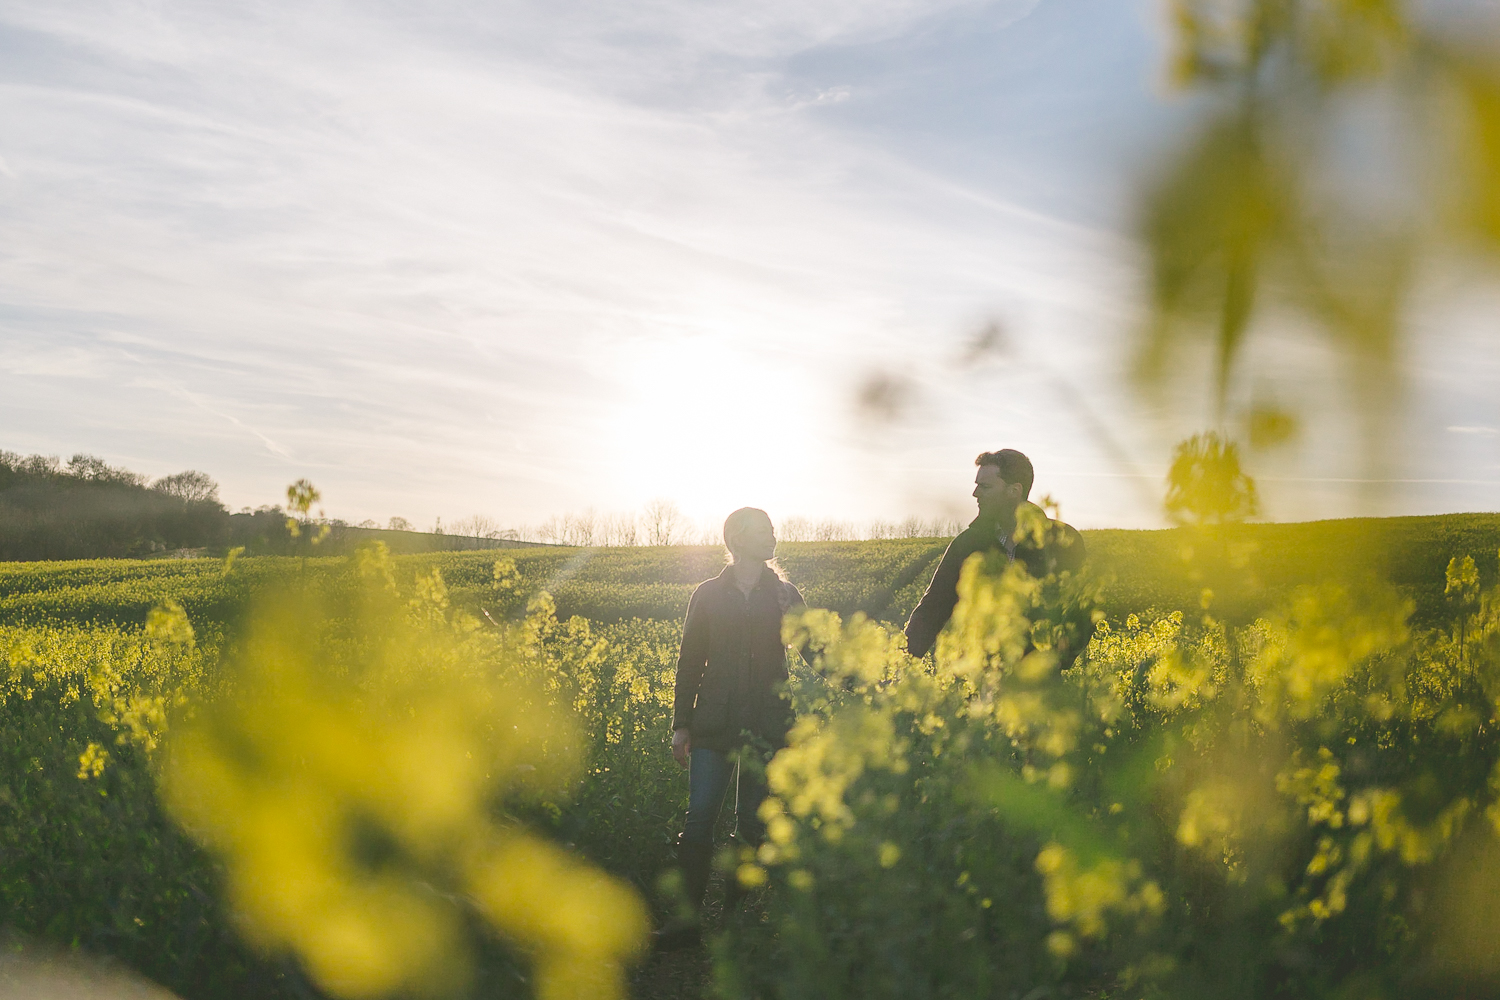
{"type": "Point", "coordinates": [86, 508]}
{"type": "Point", "coordinates": [661, 522]}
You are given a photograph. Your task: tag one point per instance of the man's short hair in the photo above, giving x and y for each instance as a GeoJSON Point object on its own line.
{"type": "Point", "coordinates": [1014, 467]}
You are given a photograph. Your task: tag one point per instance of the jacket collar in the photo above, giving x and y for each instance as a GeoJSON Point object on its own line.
{"type": "Point", "coordinates": [1026, 511]}
{"type": "Point", "coordinates": [727, 575]}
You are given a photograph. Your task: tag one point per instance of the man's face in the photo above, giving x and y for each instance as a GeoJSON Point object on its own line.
{"type": "Point", "coordinates": [994, 494]}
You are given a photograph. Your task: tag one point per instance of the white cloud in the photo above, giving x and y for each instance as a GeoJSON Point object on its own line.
{"type": "Point", "coordinates": [527, 257]}
{"type": "Point", "coordinates": [315, 232]}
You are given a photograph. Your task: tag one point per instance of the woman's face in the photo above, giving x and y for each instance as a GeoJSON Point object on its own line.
{"type": "Point", "coordinates": [755, 540]}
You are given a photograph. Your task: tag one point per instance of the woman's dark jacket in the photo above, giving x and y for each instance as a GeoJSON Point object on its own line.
{"type": "Point", "coordinates": [1056, 548]}
{"type": "Point", "coordinates": [731, 662]}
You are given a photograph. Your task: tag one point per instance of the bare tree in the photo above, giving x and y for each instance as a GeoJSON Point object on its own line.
{"type": "Point", "coordinates": [95, 469]}
{"type": "Point", "coordinates": [829, 530]}
{"type": "Point", "coordinates": [795, 529]}
{"type": "Point", "coordinates": [398, 524]}
{"type": "Point", "coordinates": [191, 486]}
{"type": "Point", "coordinates": [476, 526]}
{"type": "Point", "coordinates": [619, 529]}
{"type": "Point", "coordinates": [662, 521]}
{"type": "Point", "coordinates": [582, 527]}
{"type": "Point", "coordinates": [31, 465]}
{"type": "Point", "coordinates": [591, 528]}
{"type": "Point", "coordinates": [916, 527]}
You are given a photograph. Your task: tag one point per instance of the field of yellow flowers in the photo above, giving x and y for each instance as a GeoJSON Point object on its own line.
{"type": "Point", "coordinates": [1273, 772]}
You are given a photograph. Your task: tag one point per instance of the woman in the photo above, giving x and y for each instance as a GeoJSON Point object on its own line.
{"type": "Point", "coordinates": [728, 703]}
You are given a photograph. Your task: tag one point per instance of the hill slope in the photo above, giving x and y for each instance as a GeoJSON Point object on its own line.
{"type": "Point", "coordinates": [883, 579]}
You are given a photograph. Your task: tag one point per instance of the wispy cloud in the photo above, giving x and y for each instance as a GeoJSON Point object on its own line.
{"type": "Point", "coordinates": [527, 257]}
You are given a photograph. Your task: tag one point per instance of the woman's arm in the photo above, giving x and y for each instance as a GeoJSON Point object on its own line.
{"type": "Point", "coordinates": [692, 660]}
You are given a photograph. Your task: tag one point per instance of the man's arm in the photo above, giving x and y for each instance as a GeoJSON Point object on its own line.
{"type": "Point", "coordinates": [795, 605]}
{"type": "Point", "coordinates": [1068, 548]}
{"type": "Point", "coordinates": [936, 606]}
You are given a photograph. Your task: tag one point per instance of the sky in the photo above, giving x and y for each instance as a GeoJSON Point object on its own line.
{"type": "Point", "coordinates": [521, 258]}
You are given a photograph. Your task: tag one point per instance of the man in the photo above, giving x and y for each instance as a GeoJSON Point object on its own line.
{"type": "Point", "coordinates": [1007, 522]}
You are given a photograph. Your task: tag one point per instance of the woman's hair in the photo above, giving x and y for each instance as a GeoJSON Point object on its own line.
{"type": "Point", "coordinates": [739, 521]}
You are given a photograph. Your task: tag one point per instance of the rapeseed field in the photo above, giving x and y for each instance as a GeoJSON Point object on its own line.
{"type": "Point", "coordinates": [1273, 771]}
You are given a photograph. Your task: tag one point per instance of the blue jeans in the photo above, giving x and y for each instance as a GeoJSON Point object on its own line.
{"type": "Point", "coordinates": [709, 774]}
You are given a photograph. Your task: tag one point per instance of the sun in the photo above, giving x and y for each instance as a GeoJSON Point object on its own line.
{"type": "Point", "coordinates": [714, 428]}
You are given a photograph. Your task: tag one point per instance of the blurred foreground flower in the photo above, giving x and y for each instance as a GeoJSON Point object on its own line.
{"type": "Point", "coordinates": [1345, 166]}
{"type": "Point", "coordinates": [354, 774]}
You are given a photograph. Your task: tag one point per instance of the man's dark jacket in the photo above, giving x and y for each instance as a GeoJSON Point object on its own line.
{"type": "Point", "coordinates": [1060, 548]}
{"type": "Point", "coordinates": [731, 662]}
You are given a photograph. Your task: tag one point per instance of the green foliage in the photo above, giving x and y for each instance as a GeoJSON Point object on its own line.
{"type": "Point", "coordinates": [300, 497]}
{"type": "Point", "coordinates": [327, 691]}
{"type": "Point", "coordinates": [1262, 564]}
{"type": "Point", "coordinates": [87, 856]}
{"type": "Point", "coordinates": [122, 592]}
{"type": "Point", "coordinates": [358, 774]}
{"type": "Point", "coordinates": [609, 585]}
{"type": "Point", "coordinates": [1206, 485]}
{"type": "Point", "coordinates": [1286, 792]}
{"type": "Point", "coordinates": [881, 579]}
{"type": "Point", "coordinates": [1283, 809]}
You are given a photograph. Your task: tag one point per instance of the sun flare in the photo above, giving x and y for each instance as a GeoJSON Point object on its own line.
{"type": "Point", "coordinates": [713, 428]}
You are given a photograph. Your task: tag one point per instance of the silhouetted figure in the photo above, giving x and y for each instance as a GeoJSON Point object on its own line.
{"type": "Point", "coordinates": [1008, 522]}
{"type": "Point", "coordinates": [727, 703]}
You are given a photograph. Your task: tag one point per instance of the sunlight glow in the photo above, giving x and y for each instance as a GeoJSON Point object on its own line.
{"type": "Point", "coordinates": [713, 427]}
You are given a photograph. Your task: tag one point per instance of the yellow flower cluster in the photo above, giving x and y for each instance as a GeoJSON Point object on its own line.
{"type": "Point", "coordinates": [1083, 895]}
{"type": "Point", "coordinates": [132, 679]}
{"type": "Point", "coordinates": [1312, 649]}
{"type": "Point", "coordinates": [813, 781]}
{"type": "Point", "coordinates": [354, 778]}
{"type": "Point", "coordinates": [92, 761]}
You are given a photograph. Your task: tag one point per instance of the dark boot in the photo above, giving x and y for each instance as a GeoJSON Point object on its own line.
{"type": "Point", "coordinates": [694, 861]}
{"type": "Point", "coordinates": [675, 937]}
{"type": "Point", "coordinates": [741, 851]}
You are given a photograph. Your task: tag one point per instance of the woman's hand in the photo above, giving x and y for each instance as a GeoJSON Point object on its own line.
{"type": "Point", "coordinates": [682, 745]}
